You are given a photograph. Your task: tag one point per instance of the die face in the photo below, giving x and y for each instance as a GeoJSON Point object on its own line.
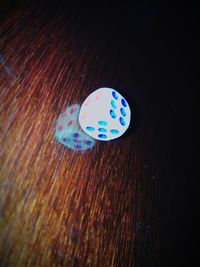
{"type": "Point", "coordinates": [68, 131]}
{"type": "Point", "coordinates": [105, 114]}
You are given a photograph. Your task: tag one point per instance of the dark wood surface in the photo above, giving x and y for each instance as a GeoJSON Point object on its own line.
{"type": "Point", "coordinates": [124, 202]}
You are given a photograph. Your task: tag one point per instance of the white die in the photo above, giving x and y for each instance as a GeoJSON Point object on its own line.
{"type": "Point", "coordinates": [105, 114]}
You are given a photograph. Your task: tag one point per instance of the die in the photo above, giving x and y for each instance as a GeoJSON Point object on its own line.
{"type": "Point", "coordinates": [105, 114]}
{"type": "Point", "coordinates": [68, 131]}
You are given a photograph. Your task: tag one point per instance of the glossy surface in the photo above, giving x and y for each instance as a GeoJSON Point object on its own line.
{"type": "Point", "coordinates": [113, 114]}
{"type": "Point", "coordinates": [122, 121]}
{"type": "Point", "coordinates": [113, 104]}
{"type": "Point", "coordinates": [123, 101]}
{"type": "Point", "coordinates": [103, 130]}
{"type": "Point", "coordinates": [90, 129]}
{"type": "Point", "coordinates": [103, 123]}
{"type": "Point", "coordinates": [123, 112]}
{"type": "Point", "coordinates": [69, 133]}
{"type": "Point", "coordinates": [114, 131]}
{"type": "Point", "coordinates": [114, 94]}
{"type": "Point", "coordinates": [126, 203]}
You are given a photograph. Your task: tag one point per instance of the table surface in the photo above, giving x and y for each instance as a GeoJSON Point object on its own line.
{"type": "Point", "coordinates": [123, 202]}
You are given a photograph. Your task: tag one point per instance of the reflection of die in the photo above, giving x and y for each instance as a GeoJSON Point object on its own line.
{"type": "Point", "coordinates": [69, 133]}
{"type": "Point", "coordinates": [105, 114]}
{"type": "Point", "coordinates": [67, 121]}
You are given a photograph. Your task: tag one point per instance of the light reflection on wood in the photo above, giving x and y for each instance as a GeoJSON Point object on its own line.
{"type": "Point", "coordinates": [60, 207]}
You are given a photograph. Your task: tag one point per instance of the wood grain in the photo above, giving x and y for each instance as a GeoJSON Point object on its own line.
{"type": "Point", "coordinates": [113, 205]}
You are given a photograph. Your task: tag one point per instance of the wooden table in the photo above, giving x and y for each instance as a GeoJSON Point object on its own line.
{"type": "Point", "coordinates": [123, 202]}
